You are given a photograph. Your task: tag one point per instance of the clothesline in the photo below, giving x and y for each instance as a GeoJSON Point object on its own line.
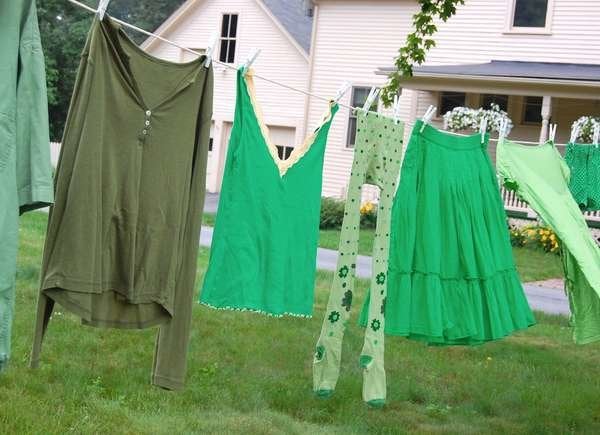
{"type": "Point", "coordinates": [226, 65]}
{"type": "Point", "coordinates": [232, 67]}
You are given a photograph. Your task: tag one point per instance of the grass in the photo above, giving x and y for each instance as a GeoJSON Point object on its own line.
{"type": "Point", "coordinates": [252, 374]}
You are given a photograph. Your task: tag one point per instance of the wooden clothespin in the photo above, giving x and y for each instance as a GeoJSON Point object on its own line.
{"type": "Point", "coordinates": [370, 99]}
{"type": "Point", "coordinates": [596, 138]}
{"type": "Point", "coordinates": [552, 132]}
{"type": "Point", "coordinates": [396, 109]}
{"type": "Point", "coordinates": [210, 49]}
{"type": "Point", "coordinates": [342, 91]}
{"type": "Point", "coordinates": [427, 117]}
{"type": "Point", "coordinates": [574, 133]}
{"type": "Point", "coordinates": [102, 6]}
{"type": "Point", "coordinates": [483, 128]}
{"type": "Point", "coordinates": [251, 58]}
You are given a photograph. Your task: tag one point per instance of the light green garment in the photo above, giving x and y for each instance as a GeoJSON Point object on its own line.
{"type": "Point", "coordinates": [25, 172]}
{"type": "Point", "coordinates": [541, 177]}
{"type": "Point", "coordinates": [377, 162]}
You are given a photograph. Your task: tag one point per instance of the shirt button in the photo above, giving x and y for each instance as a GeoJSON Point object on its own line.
{"type": "Point", "coordinates": [147, 122]}
{"type": "Point", "coordinates": [144, 131]}
{"type": "Point", "coordinates": [148, 113]}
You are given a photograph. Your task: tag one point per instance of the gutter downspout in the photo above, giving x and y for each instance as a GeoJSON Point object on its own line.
{"type": "Point", "coordinates": [311, 58]}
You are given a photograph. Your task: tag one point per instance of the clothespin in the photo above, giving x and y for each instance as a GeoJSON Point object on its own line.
{"type": "Point", "coordinates": [342, 90]}
{"type": "Point", "coordinates": [552, 132]}
{"type": "Point", "coordinates": [483, 128]}
{"type": "Point", "coordinates": [102, 6]}
{"type": "Point", "coordinates": [596, 134]}
{"type": "Point", "coordinates": [396, 109]}
{"type": "Point", "coordinates": [370, 99]}
{"type": "Point", "coordinates": [210, 49]}
{"type": "Point", "coordinates": [574, 133]}
{"type": "Point", "coordinates": [251, 58]}
{"type": "Point", "coordinates": [427, 117]}
{"type": "Point", "coordinates": [502, 129]}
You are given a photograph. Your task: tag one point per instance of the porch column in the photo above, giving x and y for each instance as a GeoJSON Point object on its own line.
{"type": "Point", "coordinates": [546, 112]}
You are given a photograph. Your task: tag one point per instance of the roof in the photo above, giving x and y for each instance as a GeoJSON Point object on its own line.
{"type": "Point", "coordinates": [502, 68]}
{"type": "Point", "coordinates": [294, 17]}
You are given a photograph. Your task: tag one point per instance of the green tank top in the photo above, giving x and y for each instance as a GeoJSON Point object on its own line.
{"type": "Point", "coordinates": [263, 254]}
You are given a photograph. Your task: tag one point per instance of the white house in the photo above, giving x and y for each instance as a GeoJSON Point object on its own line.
{"type": "Point", "coordinates": [538, 59]}
{"type": "Point", "coordinates": [282, 29]}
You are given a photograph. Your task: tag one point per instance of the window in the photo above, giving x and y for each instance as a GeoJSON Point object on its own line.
{"type": "Point", "coordinates": [450, 100]}
{"type": "Point", "coordinates": [532, 110]}
{"type": "Point", "coordinates": [284, 151]}
{"type": "Point", "coordinates": [530, 13]}
{"type": "Point", "coordinates": [359, 97]}
{"type": "Point", "coordinates": [228, 35]}
{"type": "Point", "coordinates": [488, 99]}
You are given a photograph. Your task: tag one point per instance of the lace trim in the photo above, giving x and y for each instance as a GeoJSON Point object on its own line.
{"type": "Point", "coordinates": [299, 151]}
{"type": "Point", "coordinates": [251, 310]}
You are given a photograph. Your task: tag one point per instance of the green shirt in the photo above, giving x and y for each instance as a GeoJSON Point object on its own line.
{"type": "Point", "coordinates": [263, 254]}
{"type": "Point", "coordinates": [541, 177]}
{"type": "Point", "coordinates": [25, 171]}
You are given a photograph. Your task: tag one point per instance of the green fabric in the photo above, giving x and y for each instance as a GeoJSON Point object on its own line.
{"type": "Point", "coordinates": [123, 235]}
{"type": "Point", "coordinates": [25, 171]}
{"type": "Point", "coordinates": [584, 162]}
{"type": "Point", "coordinates": [541, 177]}
{"type": "Point", "coordinates": [452, 277]}
{"type": "Point", "coordinates": [263, 253]}
{"type": "Point", "coordinates": [377, 156]}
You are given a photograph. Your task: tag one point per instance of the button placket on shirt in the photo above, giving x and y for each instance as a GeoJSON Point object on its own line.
{"type": "Point", "coordinates": [146, 127]}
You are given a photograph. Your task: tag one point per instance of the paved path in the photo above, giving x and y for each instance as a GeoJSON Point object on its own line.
{"type": "Point", "coordinates": [546, 299]}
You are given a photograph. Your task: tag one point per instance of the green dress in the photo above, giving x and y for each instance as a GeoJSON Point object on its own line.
{"type": "Point", "coordinates": [25, 171]}
{"type": "Point", "coordinates": [123, 235]}
{"type": "Point", "coordinates": [263, 253]}
{"type": "Point", "coordinates": [540, 176]}
{"type": "Point", "coordinates": [452, 278]}
{"type": "Point", "coordinates": [584, 163]}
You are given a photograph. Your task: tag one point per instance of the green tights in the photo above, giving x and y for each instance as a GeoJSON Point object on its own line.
{"type": "Point", "coordinates": [377, 156]}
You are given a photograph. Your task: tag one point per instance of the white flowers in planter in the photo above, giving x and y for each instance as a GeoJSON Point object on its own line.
{"type": "Point", "coordinates": [465, 118]}
{"type": "Point", "coordinates": [586, 128]}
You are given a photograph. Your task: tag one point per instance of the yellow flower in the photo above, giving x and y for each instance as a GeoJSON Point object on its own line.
{"type": "Point", "coordinates": [544, 238]}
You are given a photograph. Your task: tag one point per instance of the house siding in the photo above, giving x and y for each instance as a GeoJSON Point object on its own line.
{"type": "Point", "coordinates": [477, 33]}
{"type": "Point", "coordinates": [279, 59]}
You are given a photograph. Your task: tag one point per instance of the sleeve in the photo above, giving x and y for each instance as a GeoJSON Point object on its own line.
{"type": "Point", "coordinates": [34, 170]}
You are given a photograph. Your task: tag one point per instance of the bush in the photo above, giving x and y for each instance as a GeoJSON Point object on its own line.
{"type": "Point", "coordinates": [332, 214]}
{"type": "Point", "coordinates": [586, 126]}
{"type": "Point", "coordinates": [465, 118]}
{"type": "Point", "coordinates": [535, 236]}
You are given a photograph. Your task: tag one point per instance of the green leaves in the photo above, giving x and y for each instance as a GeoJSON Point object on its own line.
{"type": "Point", "coordinates": [418, 42]}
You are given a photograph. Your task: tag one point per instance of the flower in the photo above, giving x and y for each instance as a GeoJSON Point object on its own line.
{"type": "Point", "coordinates": [380, 279]}
{"type": "Point", "coordinates": [347, 301]}
{"type": "Point", "coordinates": [585, 126]}
{"type": "Point", "coordinates": [367, 207]}
{"type": "Point", "coordinates": [343, 272]}
{"type": "Point", "coordinates": [375, 324]}
{"type": "Point", "coordinates": [334, 316]}
{"type": "Point", "coordinates": [465, 118]}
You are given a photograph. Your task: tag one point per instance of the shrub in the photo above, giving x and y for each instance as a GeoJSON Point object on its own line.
{"type": "Point", "coordinates": [332, 214]}
{"type": "Point", "coordinates": [535, 236]}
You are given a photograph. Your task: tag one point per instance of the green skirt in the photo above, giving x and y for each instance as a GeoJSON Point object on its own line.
{"type": "Point", "coordinates": [452, 277]}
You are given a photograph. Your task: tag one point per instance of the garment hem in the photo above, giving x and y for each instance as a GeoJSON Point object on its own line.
{"type": "Point", "coordinates": [167, 383]}
{"type": "Point", "coordinates": [257, 311]}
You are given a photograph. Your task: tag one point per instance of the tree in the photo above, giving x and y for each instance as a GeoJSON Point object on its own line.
{"type": "Point", "coordinates": [64, 28]}
{"type": "Point", "coordinates": [418, 42]}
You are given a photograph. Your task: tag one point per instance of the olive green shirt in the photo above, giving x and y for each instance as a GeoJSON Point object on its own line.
{"type": "Point", "coordinates": [123, 235]}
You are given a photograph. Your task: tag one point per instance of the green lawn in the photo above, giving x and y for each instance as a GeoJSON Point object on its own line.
{"type": "Point", "coordinates": [532, 264]}
{"type": "Point", "coordinates": [252, 374]}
